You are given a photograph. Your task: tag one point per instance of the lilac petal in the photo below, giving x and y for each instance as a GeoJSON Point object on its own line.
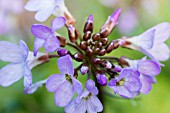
{"type": "Point", "coordinates": [44, 14]}
{"type": "Point", "coordinates": [77, 86]}
{"type": "Point", "coordinates": [54, 81]}
{"type": "Point", "coordinates": [24, 50]}
{"type": "Point", "coordinates": [52, 44]}
{"type": "Point", "coordinates": [112, 83]}
{"type": "Point", "coordinates": [151, 56]}
{"type": "Point", "coordinates": [11, 73]}
{"type": "Point", "coordinates": [38, 43]}
{"type": "Point", "coordinates": [34, 87]}
{"type": "Point", "coordinates": [90, 86]}
{"type": "Point", "coordinates": [94, 105]}
{"type": "Point", "coordinates": [133, 84]}
{"type": "Point", "coordinates": [74, 107]}
{"type": "Point", "coordinates": [65, 65]}
{"type": "Point", "coordinates": [146, 83]}
{"type": "Point", "coordinates": [160, 51]}
{"type": "Point", "coordinates": [10, 52]}
{"type": "Point", "coordinates": [144, 40]}
{"type": "Point", "coordinates": [122, 91]}
{"type": "Point", "coordinates": [162, 32]}
{"type": "Point", "coordinates": [58, 23]}
{"type": "Point", "coordinates": [149, 67]}
{"type": "Point", "coordinates": [27, 76]}
{"type": "Point", "coordinates": [32, 5]}
{"type": "Point", "coordinates": [41, 31]}
{"type": "Point", "coordinates": [64, 94]}
{"type": "Point", "coordinates": [127, 72]}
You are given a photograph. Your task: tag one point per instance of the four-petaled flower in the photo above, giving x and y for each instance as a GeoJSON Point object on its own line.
{"type": "Point", "coordinates": [148, 69]}
{"type": "Point", "coordinates": [86, 101]}
{"type": "Point", "coordinates": [151, 42]}
{"type": "Point", "coordinates": [64, 85]}
{"type": "Point", "coordinates": [127, 84]}
{"type": "Point", "coordinates": [45, 36]}
{"type": "Point", "coordinates": [19, 64]}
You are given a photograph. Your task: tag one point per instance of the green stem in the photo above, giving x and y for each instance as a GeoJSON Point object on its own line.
{"type": "Point", "coordinates": [75, 47]}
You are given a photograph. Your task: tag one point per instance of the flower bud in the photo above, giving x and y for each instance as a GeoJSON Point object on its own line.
{"type": "Point", "coordinates": [102, 79]}
{"type": "Point", "coordinates": [73, 35]}
{"type": "Point", "coordinates": [102, 52]}
{"type": "Point", "coordinates": [62, 41]}
{"type": "Point", "coordinates": [62, 52]}
{"type": "Point", "coordinates": [112, 45]}
{"type": "Point", "coordinates": [104, 41]}
{"type": "Point", "coordinates": [84, 69]}
{"type": "Point", "coordinates": [78, 57]}
{"type": "Point", "coordinates": [110, 24]}
{"type": "Point", "coordinates": [89, 51]}
{"type": "Point", "coordinates": [105, 64]}
{"type": "Point", "coordinates": [89, 24]}
{"type": "Point", "coordinates": [83, 45]}
{"type": "Point", "coordinates": [87, 35]}
{"type": "Point", "coordinates": [96, 37]}
{"type": "Point", "coordinates": [96, 60]}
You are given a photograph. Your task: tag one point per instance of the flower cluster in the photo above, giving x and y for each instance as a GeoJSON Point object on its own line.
{"type": "Point", "coordinates": [126, 77]}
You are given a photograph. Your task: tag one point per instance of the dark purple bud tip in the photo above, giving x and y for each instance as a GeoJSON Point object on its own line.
{"type": "Point", "coordinates": [89, 24]}
{"type": "Point", "coordinates": [102, 79]}
{"type": "Point", "coordinates": [84, 69]}
{"type": "Point", "coordinates": [62, 52]}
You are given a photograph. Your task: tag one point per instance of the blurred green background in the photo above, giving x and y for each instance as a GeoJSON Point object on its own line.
{"type": "Point", "coordinates": [148, 13]}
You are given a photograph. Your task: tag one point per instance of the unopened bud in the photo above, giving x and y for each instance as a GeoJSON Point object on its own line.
{"type": "Point", "coordinates": [102, 52]}
{"type": "Point", "coordinates": [84, 69]}
{"type": "Point", "coordinates": [78, 57]}
{"type": "Point", "coordinates": [73, 35]}
{"type": "Point", "coordinates": [62, 41]}
{"type": "Point", "coordinates": [110, 24]}
{"type": "Point", "coordinates": [99, 44]}
{"type": "Point", "coordinates": [104, 41]}
{"type": "Point", "coordinates": [96, 37]}
{"type": "Point", "coordinates": [97, 50]}
{"type": "Point", "coordinates": [89, 51]}
{"type": "Point", "coordinates": [105, 64]}
{"type": "Point", "coordinates": [112, 45]}
{"type": "Point", "coordinates": [62, 52]}
{"type": "Point", "coordinates": [89, 24]}
{"type": "Point", "coordinates": [83, 45]}
{"type": "Point", "coordinates": [102, 79]}
{"type": "Point", "coordinates": [87, 35]}
{"type": "Point", "coordinates": [96, 61]}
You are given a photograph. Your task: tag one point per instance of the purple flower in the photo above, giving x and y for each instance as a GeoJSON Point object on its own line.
{"type": "Point", "coordinates": [152, 43]}
{"type": "Point", "coordinates": [45, 36]}
{"type": "Point", "coordinates": [18, 66]}
{"type": "Point", "coordinates": [33, 87]}
{"type": "Point", "coordinates": [147, 69]}
{"type": "Point", "coordinates": [46, 7]}
{"type": "Point", "coordinates": [127, 84]}
{"type": "Point", "coordinates": [22, 61]}
{"type": "Point", "coordinates": [86, 101]}
{"type": "Point", "coordinates": [64, 85]}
